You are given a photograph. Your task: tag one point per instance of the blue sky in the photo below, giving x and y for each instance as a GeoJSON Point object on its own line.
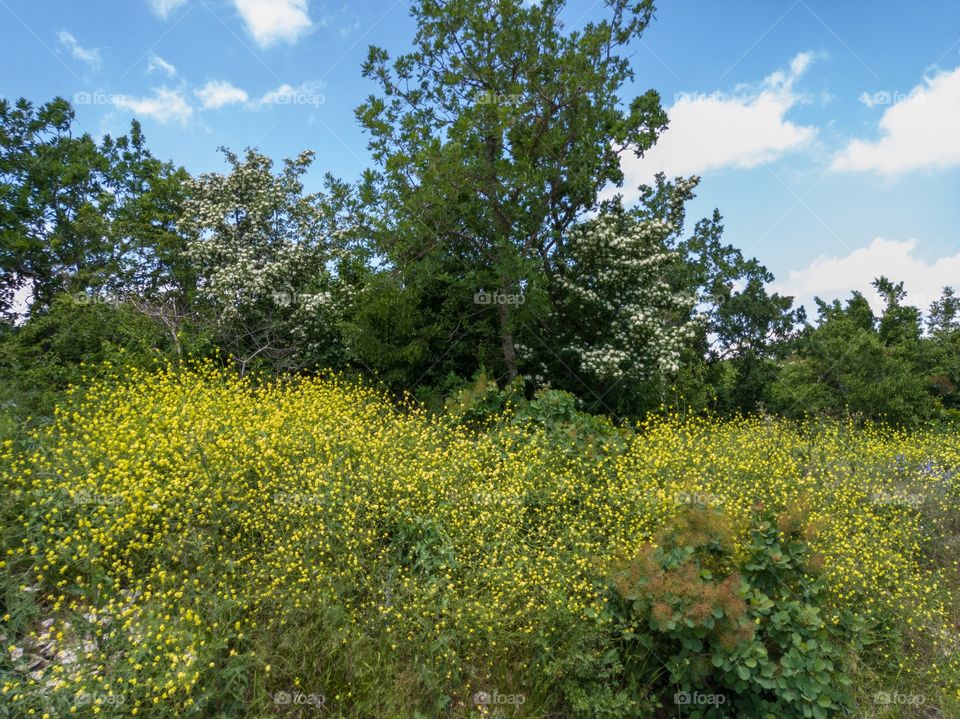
{"type": "Point", "coordinates": [825, 132]}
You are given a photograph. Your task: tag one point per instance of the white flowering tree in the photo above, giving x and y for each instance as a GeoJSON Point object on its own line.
{"type": "Point", "coordinates": [267, 260]}
{"type": "Point", "coordinates": [623, 317]}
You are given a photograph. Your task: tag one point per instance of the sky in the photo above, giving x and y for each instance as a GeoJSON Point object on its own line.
{"type": "Point", "coordinates": [825, 132]}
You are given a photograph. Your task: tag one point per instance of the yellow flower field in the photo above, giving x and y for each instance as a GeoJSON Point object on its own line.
{"type": "Point", "coordinates": [193, 544]}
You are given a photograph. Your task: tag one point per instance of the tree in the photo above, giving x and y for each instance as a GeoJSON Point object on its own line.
{"type": "Point", "coordinates": [49, 226]}
{"type": "Point", "coordinates": [271, 272]}
{"type": "Point", "coordinates": [899, 323]}
{"type": "Point", "coordinates": [79, 217]}
{"type": "Point", "coordinates": [944, 314]}
{"type": "Point", "coordinates": [493, 139]}
{"type": "Point", "coordinates": [622, 320]}
{"type": "Point", "coordinates": [616, 275]}
{"type": "Point", "coordinates": [853, 361]}
{"type": "Point", "coordinates": [708, 314]}
{"type": "Point", "coordinates": [746, 329]}
{"type": "Point", "coordinates": [943, 326]}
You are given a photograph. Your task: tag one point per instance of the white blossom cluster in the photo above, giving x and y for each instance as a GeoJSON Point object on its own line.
{"type": "Point", "coordinates": [254, 236]}
{"type": "Point", "coordinates": [617, 272]}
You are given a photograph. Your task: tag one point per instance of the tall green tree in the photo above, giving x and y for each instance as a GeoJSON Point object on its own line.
{"type": "Point", "coordinates": [51, 236]}
{"type": "Point", "coordinates": [943, 316]}
{"type": "Point", "coordinates": [943, 328]}
{"type": "Point", "coordinates": [492, 138]}
{"type": "Point", "coordinates": [746, 328]}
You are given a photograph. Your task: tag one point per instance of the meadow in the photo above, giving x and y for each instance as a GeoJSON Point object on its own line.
{"type": "Point", "coordinates": [190, 543]}
{"type": "Point", "coordinates": [458, 396]}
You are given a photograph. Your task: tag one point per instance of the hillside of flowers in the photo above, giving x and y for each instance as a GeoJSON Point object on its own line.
{"type": "Point", "coordinates": [190, 543]}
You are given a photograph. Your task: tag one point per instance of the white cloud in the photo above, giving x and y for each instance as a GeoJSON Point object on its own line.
{"type": "Point", "coordinates": [163, 8]}
{"type": "Point", "coordinates": [919, 132]}
{"type": "Point", "coordinates": [271, 21]}
{"type": "Point", "coordinates": [158, 64]}
{"type": "Point", "coordinates": [165, 105]}
{"type": "Point", "coordinates": [89, 56]}
{"type": "Point", "coordinates": [835, 277]}
{"type": "Point", "coordinates": [217, 93]}
{"type": "Point", "coordinates": [711, 131]}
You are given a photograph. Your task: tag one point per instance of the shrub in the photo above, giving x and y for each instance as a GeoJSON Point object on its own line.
{"type": "Point", "coordinates": [751, 642]}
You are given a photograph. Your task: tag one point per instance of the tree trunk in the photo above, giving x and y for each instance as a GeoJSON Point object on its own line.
{"type": "Point", "coordinates": [506, 339]}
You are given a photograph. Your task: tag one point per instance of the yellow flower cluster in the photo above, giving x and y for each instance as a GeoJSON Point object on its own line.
{"type": "Point", "coordinates": [177, 525]}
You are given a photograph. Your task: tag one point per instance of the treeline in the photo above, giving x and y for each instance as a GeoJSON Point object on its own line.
{"type": "Point", "coordinates": [477, 247]}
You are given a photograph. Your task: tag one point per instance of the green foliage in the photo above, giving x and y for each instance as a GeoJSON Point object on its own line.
{"type": "Point", "coordinates": [414, 336]}
{"type": "Point", "coordinates": [748, 637]}
{"type": "Point", "coordinates": [852, 361]}
{"type": "Point", "coordinates": [492, 138]}
{"type": "Point", "coordinates": [479, 243]}
{"type": "Point", "coordinates": [79, 338]}
{"type": "Point", "coordinates": [75, 215]}
{"type": "Point", "coordinates": [483, 402]}
{"type": "Point", "coordinates": [557, 414]}
{"type": "Point", "coordinates": [48, 221]}
{"type": "Point", "coordinates": [943, 346]}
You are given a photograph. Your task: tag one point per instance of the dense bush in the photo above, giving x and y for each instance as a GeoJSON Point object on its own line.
{"type": "Point", "coordinates": [751, 641]}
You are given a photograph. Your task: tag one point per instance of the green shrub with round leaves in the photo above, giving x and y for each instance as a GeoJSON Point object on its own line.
{"type": "Point", "coordinates": [722, 635]}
